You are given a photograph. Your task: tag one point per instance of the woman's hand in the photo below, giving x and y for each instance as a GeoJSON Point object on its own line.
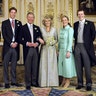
{"type": "Point", "coordinates": [68, 54]}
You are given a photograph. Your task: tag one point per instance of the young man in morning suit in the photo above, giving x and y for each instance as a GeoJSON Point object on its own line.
{"type": "Point", "coordinates": [30, 34]}
{"type": "Point", "coordinates": [10, 30]}
{"type": "Point", "coordinates": [84, 34]}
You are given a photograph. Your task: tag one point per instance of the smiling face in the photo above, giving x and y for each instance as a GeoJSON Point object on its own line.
{"type": "Point", "coordinates": [65, 21]}
{"type": "Point", "coordinates": [12, 14]}
{"type": "Point", "coordinates": [48, 22]}
{"type": "Point", "coordinates": [81, 15]}
{"type": "Point", "coordinates": [30, 18]}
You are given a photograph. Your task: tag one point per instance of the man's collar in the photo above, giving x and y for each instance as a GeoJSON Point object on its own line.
{"type": "Point", "coordinates": [29, 24]}
{"type": "Point", "coordinates": [11, 19]}
{"type": "Point", "coordinates": [82, 21]}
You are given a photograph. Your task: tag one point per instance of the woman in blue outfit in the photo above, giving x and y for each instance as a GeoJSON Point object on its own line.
{"type": "Point", "coordinates": [66, 64]}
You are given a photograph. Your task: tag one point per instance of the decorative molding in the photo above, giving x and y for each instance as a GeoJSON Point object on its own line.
{"type": "Point", "coordinates": [50, 9]}
{"type": "Point", "coordinates": [70, 11]}
{"type": "Point", "coordinates": [30, 7]}
{"type": "Point", "coordinates": [9, 3]}
{"type": "Point", "coordinates": [2, 8]}
{"type": "Point", "coordinates": [62, 10]}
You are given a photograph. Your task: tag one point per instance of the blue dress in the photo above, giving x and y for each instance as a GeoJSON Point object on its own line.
{"type": "Point", "coordinates": [66, 66]}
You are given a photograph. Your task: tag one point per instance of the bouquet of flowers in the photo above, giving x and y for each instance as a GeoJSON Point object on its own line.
{"type": "Point", "coordinates": [50, 41]}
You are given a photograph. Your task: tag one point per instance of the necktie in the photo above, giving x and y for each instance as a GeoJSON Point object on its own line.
{"type": "Point", "coordinates": [80, 32]}
{"type": "Point", "coordinates": [13, 29]}
{"type": "Point", "coordinates": [13, 23]}
{"type": "Point", "coordinates": [80, 27]}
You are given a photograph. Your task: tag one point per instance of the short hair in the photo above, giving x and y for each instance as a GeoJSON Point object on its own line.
{"type": "Point", "coordinates": [30, 13]}
{"type": "Point", "coordinates": [80, 10]}
{"type": "Point", "coordinates": [48, 17]}
{"type": "Point", "coordinates": [12, 8]}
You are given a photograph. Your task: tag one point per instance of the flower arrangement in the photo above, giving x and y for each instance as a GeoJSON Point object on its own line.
{"type": "Point", "coordinates": [17, 23]}
{"type": "Point", "coordinates": [36, 29]}
{"type": "Point", "coordinates": [86, 22]}
{"type": "Point", "coordinates": [50, 41]}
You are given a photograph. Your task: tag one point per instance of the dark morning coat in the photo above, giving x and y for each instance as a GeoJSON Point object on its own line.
{"type": "Point", "coordinates": [88, 37]}
{"type": "Point", "coordinates": [26, 37]}
{"type": "Point", "coordinates": [7, 34]}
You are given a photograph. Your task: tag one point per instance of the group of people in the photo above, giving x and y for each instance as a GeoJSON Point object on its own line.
{"type": "Point", "coordinates": [43, 62]}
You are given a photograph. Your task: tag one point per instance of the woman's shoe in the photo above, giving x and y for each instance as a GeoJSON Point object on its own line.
{"type": "Point", "coordinates": [67, 84]}
{"type": "Point", "coordinates": [63, 82]}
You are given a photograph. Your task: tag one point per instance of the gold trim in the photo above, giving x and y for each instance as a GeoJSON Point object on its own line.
{"type": "Point", "coordinates": [36, 11]}
{"type": "Point", "coordinates": [50, 8]}
{"type": "Point", "coordinates": [25, 9]}
{"type": "Point", "coordinates": [64, 4]}
{"type": "Point", "coordinates": [56, 11]}
{"type": "Point", "coordinates": [44, 6]}
{"type": "Point", "coordinates": [2, 8]}
{"type": "Point", "coordinates": [16, 3]}
{"type": "Point", "coordinates": [70, 11]}
{"type": "Point", "coordinates": [30, 7]}
{"type": "Point", "coordinates": [9, 3]}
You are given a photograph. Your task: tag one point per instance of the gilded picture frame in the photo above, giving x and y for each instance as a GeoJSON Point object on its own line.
{"type": "Point", "coordinates": [89, 6]}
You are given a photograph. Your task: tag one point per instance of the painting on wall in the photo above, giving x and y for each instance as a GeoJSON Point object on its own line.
{"type": "Point", "coordinates": [89, 6]}
{"type": "Point", "coordinates": [1, 8]}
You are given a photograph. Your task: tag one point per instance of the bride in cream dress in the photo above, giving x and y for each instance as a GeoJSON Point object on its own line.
{"type": "Point", "coordinates": [48, 74]}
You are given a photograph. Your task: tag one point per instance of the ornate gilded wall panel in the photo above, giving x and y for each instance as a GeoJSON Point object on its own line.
{"type": "Point", "coordinates": [70, 11]}
{"type": "Point", "coordinates": [42, 7]}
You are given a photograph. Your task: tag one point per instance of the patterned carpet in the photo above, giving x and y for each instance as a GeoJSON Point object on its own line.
{"type": "Point", "coordinates": [56, 91]}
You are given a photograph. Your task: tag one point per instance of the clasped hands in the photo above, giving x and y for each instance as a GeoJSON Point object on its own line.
{"type": "Point", "coordinates": [14, 44]}
{"type": "Point", "coordinates": [30, 44]}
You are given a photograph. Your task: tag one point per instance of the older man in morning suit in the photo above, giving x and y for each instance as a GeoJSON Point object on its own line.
{"type": "Point", "coordinates": [84, 34]}
{"type": "Point", "coordinates": [30, 40]}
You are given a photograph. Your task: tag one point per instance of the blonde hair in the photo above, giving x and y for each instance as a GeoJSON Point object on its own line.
{"type": "Point", "coordinates": [62, 16]}
{"type": "Point", "coordinates": [48, 17]}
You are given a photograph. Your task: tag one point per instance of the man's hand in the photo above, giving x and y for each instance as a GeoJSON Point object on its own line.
{"type": "Point", "coordinates": [29, 44]}
{"type": "Point", "coordinates": [41, 40]}
{"type": "Point", "coordinates": [14, 45]}
{"type": "Point", "coordinates": [32, 44]}
{"type": "Point", "coordinates": [35, 45]}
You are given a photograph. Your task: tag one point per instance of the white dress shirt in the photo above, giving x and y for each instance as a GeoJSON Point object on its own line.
{"type": "Point", "coordinates": [13, 29]}
{"type": "Point", "coordinates": [30, 26]}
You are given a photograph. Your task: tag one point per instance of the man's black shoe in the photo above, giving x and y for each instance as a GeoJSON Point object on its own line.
{"type": "Point", "coordinates": [88, 88]}
{"type": "Point", "coordinates": [16, 84]}
{"type": "Point", "coordinates": [28, 87]}
{"type": "Point", "coordinates": [79, 87]}
{"type": "Point", "coordinates": [7, 86]}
